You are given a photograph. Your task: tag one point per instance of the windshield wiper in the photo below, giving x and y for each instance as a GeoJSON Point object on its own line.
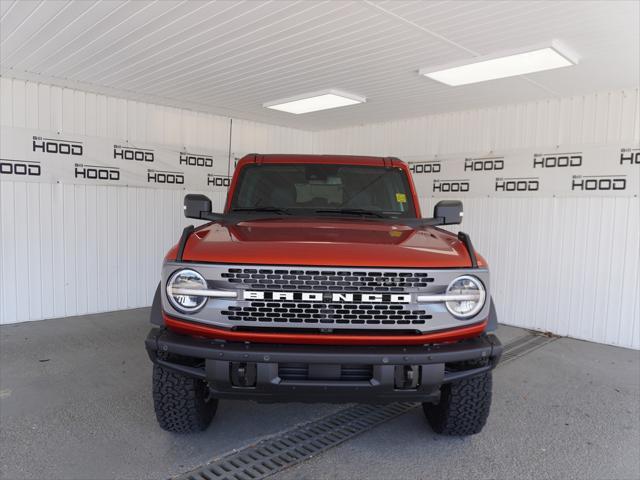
{"type": "Point", "coordinates": [352, 211]}
{"type": "Point", "coordinates": [280, 211]}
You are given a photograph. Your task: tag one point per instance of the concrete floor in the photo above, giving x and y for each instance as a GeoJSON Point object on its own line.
{"type": "Point", "coordinates": [75, 402]}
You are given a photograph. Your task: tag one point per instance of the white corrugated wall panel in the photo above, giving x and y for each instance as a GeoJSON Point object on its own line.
{"type": "Point", "coordinates": [588, 119]}
{"type": "Point", "coordinates": [75, 249]}
{"type": "Point", "coordinates": [566, 265]}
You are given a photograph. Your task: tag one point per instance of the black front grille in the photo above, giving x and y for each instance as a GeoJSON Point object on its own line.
{"type": "Point", "coordinates": [326, 280]}
{"type": "Point", "coordinates": [326, 313]}
{"type": "Point", "coordinates": [344, 373]}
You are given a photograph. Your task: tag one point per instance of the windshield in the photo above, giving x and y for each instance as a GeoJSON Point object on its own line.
{"type": "Point", "coordinates": [303, 189]}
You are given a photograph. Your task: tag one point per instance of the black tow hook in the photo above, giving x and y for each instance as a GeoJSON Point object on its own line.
{"type": "Point", "coordinates": [243, 374]}
{"type": "Point", "coordinates": [407, 377]}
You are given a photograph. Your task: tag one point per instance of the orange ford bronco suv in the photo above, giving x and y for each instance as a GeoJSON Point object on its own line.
{"type": "Point", "coordinates": [321, 282]}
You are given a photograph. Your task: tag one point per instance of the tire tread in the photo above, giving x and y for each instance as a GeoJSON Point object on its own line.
{"type": "Point", "coordinates": [464, 406]}
{"type": "Point", "coordinates": [180, 402]}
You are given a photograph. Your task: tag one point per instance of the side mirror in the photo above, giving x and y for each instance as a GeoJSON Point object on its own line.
{"type": "Point", "coordinates": [449, 212]}
{"type": "Point", "coordinates": [197, 206]}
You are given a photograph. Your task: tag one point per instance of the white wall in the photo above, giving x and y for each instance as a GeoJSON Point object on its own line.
{"type": "Point", "coordinates": [75, 249]}
{"type": "Point", "coordinates": [560, 264]}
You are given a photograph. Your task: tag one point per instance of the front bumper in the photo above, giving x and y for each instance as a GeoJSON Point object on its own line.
{"type": "Point", "coordinates": [217, 363]}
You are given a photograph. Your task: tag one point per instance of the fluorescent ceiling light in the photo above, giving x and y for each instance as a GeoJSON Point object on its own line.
{"type": "Point", "coordinates": [312, 102]}
{"type": "Point", "coordinates": [491, 68]}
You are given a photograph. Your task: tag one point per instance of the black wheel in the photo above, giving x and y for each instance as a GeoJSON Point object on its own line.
{"type": "Point", "coordinates": [182, 404]}
{"type": "Point", "coordinates": [463, 408]}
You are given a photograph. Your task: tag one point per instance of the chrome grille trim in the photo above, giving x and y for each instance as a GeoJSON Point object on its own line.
{"type": "Point", "coordinates": [203, 293]}
{"type": "Point", "coordinates": [448, 298]}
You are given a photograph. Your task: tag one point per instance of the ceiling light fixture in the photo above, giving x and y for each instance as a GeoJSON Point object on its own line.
{"type": "Point", "coordinates": [313, 102]}
{"type": "Point", "coordinates": [520, 62]}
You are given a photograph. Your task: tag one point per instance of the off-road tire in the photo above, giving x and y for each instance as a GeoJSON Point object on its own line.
{"type": "Point", "coordinates": [182, 404]}
{"type": "Point", "coordinates": [463, 408]}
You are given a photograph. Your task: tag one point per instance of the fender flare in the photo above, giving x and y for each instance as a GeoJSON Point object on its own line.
{"type": "Point", "coordinates": [156, 309]}
{"type": "Point", "coordinates": [492, 325]}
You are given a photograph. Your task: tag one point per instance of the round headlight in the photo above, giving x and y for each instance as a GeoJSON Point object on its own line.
{"type": "Point", "coordinates": [180, 291]}
{"type": "Point", "coordinates": [470, 296]}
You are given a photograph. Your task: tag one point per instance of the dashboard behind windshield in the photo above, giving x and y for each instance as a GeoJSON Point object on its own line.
{"type": "Point", "coordinates": [303, 189]}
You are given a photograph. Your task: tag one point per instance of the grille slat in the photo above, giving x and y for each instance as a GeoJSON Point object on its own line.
{"type": "Point", "coordinates": [299, 312]}
{"type": "Point", "coordinates": [300, 371]}
{"type": "Point", "coordinates": [329, 280]}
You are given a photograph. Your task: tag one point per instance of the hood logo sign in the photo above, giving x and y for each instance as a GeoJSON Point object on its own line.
{"type": "Point", "coordinates": [328, 297]}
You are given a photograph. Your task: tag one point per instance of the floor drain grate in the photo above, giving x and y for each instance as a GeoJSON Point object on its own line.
{"type": "Point", "coordinates": [294, 446]}
{"type": "Point", "coordinates": [524, 345]}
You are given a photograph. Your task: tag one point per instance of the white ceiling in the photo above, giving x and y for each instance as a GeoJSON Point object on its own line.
{"type": "Point", "coordinates": [229, 57]}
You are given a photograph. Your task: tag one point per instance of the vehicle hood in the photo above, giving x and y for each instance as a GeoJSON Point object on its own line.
{"type": "Point", "coordinates": [330, 242]}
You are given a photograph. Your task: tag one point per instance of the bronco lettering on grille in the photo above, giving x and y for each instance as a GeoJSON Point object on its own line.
{"type": "Point", "coordinates": [328, 297]}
